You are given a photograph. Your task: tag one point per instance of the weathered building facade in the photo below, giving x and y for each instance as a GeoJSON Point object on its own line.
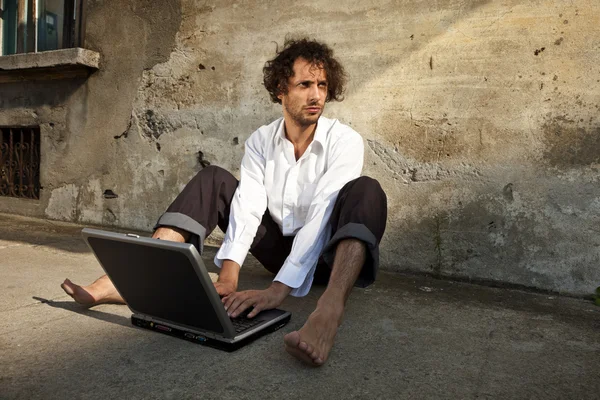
{"type": "Point", "coordinates": [481, 120]}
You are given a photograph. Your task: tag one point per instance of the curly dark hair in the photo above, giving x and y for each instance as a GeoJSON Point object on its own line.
{"type": "Point", "coordinates": [277, 71]}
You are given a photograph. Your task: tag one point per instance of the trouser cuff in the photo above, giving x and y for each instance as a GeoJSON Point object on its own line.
{"type": "Point", "coordinates": [188, 224]}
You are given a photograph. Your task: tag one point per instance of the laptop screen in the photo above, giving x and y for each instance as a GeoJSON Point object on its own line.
{"type": "Point", "coordinates": [158, 282]}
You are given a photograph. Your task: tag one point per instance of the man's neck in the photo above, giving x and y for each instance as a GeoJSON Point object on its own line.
{"type": "Point", "coordinates": [300, 136]}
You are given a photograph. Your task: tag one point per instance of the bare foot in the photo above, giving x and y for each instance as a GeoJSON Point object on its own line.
{"type": "Point", "coordinates": [99, 292]}
{"type": "Point", "coordinates": [313, 342]}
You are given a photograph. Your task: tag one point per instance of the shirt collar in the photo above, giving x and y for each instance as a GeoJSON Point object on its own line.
{"type": "Point", "coordinates": [281, 130]}
{"type": "Point", "coordinates": [321, 132]}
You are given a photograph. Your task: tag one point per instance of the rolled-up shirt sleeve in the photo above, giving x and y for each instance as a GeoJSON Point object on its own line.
{"type": "Point", "coordinates": [247, 206]}
{"type": "Point", "coordinates": [346, 162]}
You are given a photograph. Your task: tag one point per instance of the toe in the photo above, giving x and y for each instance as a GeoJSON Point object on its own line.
{"type": "Point", "coordinates": [309, 350]}
{"type": "Point", "coordinates": [292, 339]}
{"type": "Point", "coordinates": [300, 355]}
{"type": "Point", "coordinates": [66, 286]}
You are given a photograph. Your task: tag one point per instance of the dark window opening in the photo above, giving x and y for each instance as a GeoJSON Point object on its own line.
{"type": "Point", "coordinates": [20, 162]}
{"type": "Point", "coordinates": [40, 25]}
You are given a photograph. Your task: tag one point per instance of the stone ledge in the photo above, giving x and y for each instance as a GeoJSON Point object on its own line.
{"type": "Point", "coordinates": [55, 64]}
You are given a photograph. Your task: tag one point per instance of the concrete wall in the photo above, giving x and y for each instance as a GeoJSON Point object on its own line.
{"type": "Point", "coordinates": [481, 120]}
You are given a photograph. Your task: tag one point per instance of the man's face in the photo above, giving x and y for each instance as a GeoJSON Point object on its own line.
{"type": "Point", "coordinates": [307, 90]}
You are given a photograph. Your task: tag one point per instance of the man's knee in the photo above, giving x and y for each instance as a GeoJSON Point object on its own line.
{"type": "Point", "coordinates": [213, 170]}
{"type": "Point", "coordinates": [215, 174]}
{"type": "Point", "coordinates": [369, 187]}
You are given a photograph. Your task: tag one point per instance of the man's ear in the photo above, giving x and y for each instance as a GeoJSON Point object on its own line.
{"type": "Point", "coordinates": [280, 91]}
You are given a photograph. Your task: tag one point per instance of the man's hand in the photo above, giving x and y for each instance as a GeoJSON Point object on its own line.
{"type": "Point", "coordinates": [228, 278]}
{"type": "Point", "coordinates": [237, 302]}
{"type": "Point", "coordinates": [225, 288]}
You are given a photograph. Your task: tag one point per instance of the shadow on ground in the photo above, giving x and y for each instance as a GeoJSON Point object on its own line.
{"type": "Point", "coordinates": [72, 306]}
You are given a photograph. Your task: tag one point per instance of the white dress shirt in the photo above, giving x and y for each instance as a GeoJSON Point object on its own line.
{"type": "Point", "coordinates": [300, 194]}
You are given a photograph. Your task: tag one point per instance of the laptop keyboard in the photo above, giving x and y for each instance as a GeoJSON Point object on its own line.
{"type": "Point", "coordinates": [242, 323]}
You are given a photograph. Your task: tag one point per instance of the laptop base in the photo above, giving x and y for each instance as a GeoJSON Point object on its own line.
{"type": "Point", "coordinates": [203, 340]}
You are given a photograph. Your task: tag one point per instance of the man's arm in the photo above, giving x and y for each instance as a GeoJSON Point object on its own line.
{"type": "Point", "coordinates": [247, 208]}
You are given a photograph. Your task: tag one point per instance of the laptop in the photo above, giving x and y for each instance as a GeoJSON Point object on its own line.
{"type": "Point", "coordinates": [168, 289]}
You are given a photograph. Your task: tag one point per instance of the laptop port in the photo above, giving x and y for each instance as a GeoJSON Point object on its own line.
{"type": "Point", "coordinates": [162, 328]}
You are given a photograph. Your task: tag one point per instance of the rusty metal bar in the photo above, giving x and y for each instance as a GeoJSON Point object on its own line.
{"type": "Point", "coordinates": [11, 165]}
{"type": "Point", "coordinates": [34, 179]}
{"type": "Point", "coordinates": [3, 174]}
{"type": "Point", "coordinates": [20, 165]}
{"type": "Point", "coordinates": [27, 164]}
{"type": "Point", "coordinates": [21, 25]}
{"type": "Point", "coordinates": [30, 174]}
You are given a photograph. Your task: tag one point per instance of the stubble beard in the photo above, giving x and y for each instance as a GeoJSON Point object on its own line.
{"type": "Point", "coordinates": [299, 118]}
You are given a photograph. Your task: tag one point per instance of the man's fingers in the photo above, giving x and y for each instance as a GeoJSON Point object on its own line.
{"type": "Point", "coordinates": [260, 304]}
{"type": "Point", "coordinates": [228, 300]}
{"type": "Point", "coordinates": [232, 305]}
{"type": "Point", "coordinates": [258, 307]}
{"type": "Point", "coordinates": [226, 297]}
{"type": "Point", "coordinates": [249, 302]}
{"type": "Point", "coordinates": [237, 302]}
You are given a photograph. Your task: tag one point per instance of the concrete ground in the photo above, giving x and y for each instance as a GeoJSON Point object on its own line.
{"type": "Point", "coordinates": [404, 337]}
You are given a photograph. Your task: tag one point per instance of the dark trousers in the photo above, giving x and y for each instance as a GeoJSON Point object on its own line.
{"type": "Point", "coordinates": [360, 212]}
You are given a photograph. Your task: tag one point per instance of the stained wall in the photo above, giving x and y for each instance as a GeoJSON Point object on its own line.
{"type": "Point", "coordinates": [480, 119]}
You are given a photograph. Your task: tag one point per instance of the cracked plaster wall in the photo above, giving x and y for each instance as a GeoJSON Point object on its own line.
{"type": "Point", "coordinates": [480, 119]}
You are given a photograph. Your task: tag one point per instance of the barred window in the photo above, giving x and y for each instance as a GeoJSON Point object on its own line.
{"type": "Point", "coordinates": [20, 162]}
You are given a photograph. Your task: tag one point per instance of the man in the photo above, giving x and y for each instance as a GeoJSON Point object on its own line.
{"type": "Point", "coordinates": [300, 207]}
